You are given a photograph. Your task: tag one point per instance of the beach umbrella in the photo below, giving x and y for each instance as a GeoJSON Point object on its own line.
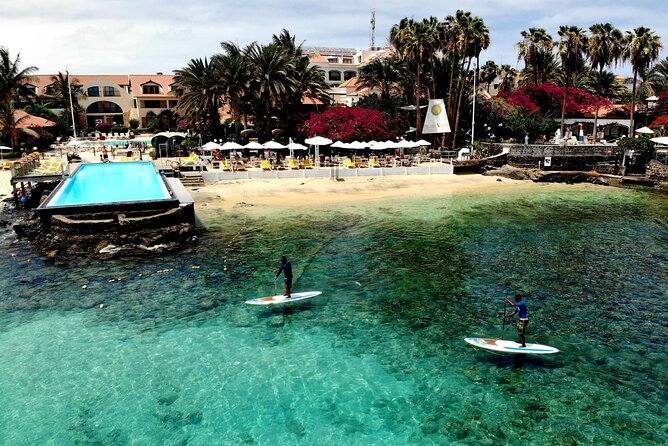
{"type": "Point", "coordinates": [422, 142]}
{"type": "Point", "coordinates": [230, 145]}
{"type": "Point", "coordinates": [273, 145]}
{"type": "Point", "coordinates": [645, 130]}
{"type": "Point", "coordinates": [4, 149]}
{"type": "Point", "coordinates": [356, 145]}
{"type": "Point", "coordinates": [254, 145]}
{"type": "Point", "coordinates": [295, 146]}
{"type": "Point", "coordinates": [663, 140]}
{"type": "Point", "coordinates": [339, 144]}
{"type": "Point", "coordinates": [211, 145]}
{"type": "Point", "coordinates": [318, 141]}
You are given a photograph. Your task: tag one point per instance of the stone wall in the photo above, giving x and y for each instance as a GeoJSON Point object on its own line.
{"type": "Point", "coordinates": [657, 171]}
{"type": "Point", "coordinates": [582, 163]}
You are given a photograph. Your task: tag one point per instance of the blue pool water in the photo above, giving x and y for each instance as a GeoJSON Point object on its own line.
{"type": "Point", "coordinates": [379, 358]}
{"type": "Point", "coordinates": [105, 183]}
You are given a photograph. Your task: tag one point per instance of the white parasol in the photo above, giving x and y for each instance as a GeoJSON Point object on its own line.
{"type": "Point", "coordinates": [318, 141]}
{"type": "Point", "coordinates": [645, 130]}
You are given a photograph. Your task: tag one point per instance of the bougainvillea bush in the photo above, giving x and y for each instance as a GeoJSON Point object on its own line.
{"type": "Point", "coordinates": [103, 127]}
{"type": "Point", "coordinates": [660, 125]}
{"type": "Point", "coordinates": [548, 98]}
{"type": "Point", "coordinates": [349, 124]}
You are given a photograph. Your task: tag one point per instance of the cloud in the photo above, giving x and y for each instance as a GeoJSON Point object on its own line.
{"type": "Point", "coordinates": [140, 36]}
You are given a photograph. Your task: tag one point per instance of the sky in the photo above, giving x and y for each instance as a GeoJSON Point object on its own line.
{"type": "Point", "coordinates": [147, 36]}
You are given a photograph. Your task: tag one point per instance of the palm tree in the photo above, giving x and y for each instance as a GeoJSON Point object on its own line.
{"type": "Point", "coordinates": [572, 47]}
{"type": "Point", "coordinates": [415, 43]}
{"type": "Point", "coordinates": [271, 84]}
{"type": "Point", "coordinates": [475, 37]}
{"type": "Point", "coordinates": [606, 85]}
{"type": "Point", "coordinates": [642, 48]}
{"type": "Point", "coordinates": [660, 74]}
{"type": "Point", "coordinates": [383, 74]}
{"type": "Point", "coordinates": [535, 49]}
{"type": "Point", "coordinates": [507, 75]}
{"type": "Point", "coordinates": [200, 92]}
{"type": "Point", "coordinates": [605, 49]}
{"type": "Point", "coordinates": [58, 93]}
{"type": "Point", "coordinates": [13, 79]}
{"type": "Point", "coordinates": [235, 77]}
{"type": "Point", "coordinates": [488, 74]}
{"type": "Point", "coordinates": [548, 73]}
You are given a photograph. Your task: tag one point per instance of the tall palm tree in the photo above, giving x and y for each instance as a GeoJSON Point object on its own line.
{"type": "Point", "coordinates": [383, 74]}
{"type": "Point", "coordinates": [507, 75]}
{"type": "Point", "coordinates": [200, 92]}
{"type": "Point", "coordinates": [475, 36]}
{"type": "Point", "coordinates": [535, 49]}
{"type": "Point", "coordinates": [548, 73]}
{"type": "Point", "coordinates": [58, 96]}
{"type": "Point", "coordinates": [415, 42]}
{"type": "Point", "coordinates": [660, 74]}
{"type": "Point", "coordinates": [235, 77]}
{"type": "Point", "coordinates": [488, 74]}
{"type": "Point", "coordinates": [271, 84]}
{"type": "Point", "coordinates": [13, 79]}
{"type": "Point", "coordinates": [572, 47]}
{"type": "Point", "coordinates": [642, 48]}
{"type": "Point", "coordinates": [605, 50]}
{"type": "Point", "coordinates": [606, 85]}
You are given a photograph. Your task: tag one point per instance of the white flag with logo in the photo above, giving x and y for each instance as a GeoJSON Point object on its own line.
{"type": "Point", "coordinates": [436, 120]}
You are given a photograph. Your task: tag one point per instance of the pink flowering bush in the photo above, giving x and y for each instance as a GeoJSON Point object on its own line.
{"type": "Point", "coordinates": [548, 99]}
{"type": "Point", "coordinates": [349, 124]}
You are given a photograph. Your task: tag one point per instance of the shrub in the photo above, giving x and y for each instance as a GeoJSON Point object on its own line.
{"type": "Point", "coordinates": [351, 124]}
{"type": "Point", "coordinates": [103, 127]}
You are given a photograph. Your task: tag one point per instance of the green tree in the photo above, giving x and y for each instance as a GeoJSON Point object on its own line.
{"type": "Point", "coordinates": [58, 96]}
{"type": "Point", "coordinates": [415, 43]}
{"type": "Point", "coordinates": [642, 48]}
{"type": "Point", "coordinates": [13, 87]}
{"type": "Point", "coordinates": [535, 49]}
{"type": "Point", "coordinates": [235, 77]}
{"type": "Point", "coordinates": [572, 47]}
{"type": "Point", "coordinates": [606, 44]}
{"type": "Point", "coordinates": [200, 91]}
{"type": "Point", "coordinates": [383, 74]}
{"type": "Point", "coordinates": [488, 74]}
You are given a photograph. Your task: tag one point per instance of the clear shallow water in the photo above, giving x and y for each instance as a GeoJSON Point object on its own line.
{"type": "Point", "coordinates": [111, 183]}
{"type": "Point", "coordinates": [379, 358]}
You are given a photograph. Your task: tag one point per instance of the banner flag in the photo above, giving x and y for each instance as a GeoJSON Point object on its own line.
{"type": "Point", "coordinates": [436, 120]}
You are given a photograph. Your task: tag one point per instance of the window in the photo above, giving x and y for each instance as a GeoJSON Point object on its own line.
{"type": "Point", "coordinates": [348, 60]}
{"type": "Point", "coordinates": [93, 92]}
{"type": "Point", "coordinates": [334, 75]}
{"type": "Point", "coordinates": [150, 89]}
{"type": "Point", "coordinates": [349, 75]}
{"type": "Point", "coordinates": [31, 88]}
{"type": "Point", "coordinates": [153, 104]}
{"type": "Point", "coordinates": [172, 104]}
{"type": "Point", "coordinates": [104, 107]}
{"type": "Point", "coordinates": [333, 59]}
{"type": "Point", "coordinates": [110, 91]}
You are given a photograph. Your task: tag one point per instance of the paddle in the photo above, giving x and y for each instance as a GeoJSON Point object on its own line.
{"type": "Point", "coordinates": [503, 331]}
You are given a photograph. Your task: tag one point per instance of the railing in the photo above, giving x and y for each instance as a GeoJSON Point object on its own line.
{"type": "Point", "coordinates": [543, 150]}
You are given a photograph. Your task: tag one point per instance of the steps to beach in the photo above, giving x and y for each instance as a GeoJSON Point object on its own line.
{"type": "Point", "coordinates": [192, 179]}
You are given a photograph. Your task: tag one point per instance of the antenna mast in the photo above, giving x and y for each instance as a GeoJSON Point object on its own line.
{"type": "Point", "coordinates": [373, 29]}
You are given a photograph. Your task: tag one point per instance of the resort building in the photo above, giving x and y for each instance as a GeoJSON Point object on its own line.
{"type": "Point", "coordinates": [116, 99]}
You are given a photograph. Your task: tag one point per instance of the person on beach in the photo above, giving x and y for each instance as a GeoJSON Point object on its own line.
{"type": "Point", "coordinates": [521, 311]}
{"type": "Point", "coordinates": [286, 269]}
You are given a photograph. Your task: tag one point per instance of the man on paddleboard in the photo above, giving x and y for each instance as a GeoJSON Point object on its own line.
{"type": "Point", "coordinates": [286, 269]}
{"type": "Point", "coordinates": [521, 311]}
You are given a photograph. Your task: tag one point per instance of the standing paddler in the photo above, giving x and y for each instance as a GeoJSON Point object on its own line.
{"type": "Point", "coordinates": [522, 320]}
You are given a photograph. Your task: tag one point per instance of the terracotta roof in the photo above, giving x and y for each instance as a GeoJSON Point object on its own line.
{"type": "Point", "coordinates": [31, 121]}
{"type": "Point", "coordinates": [317, 58]}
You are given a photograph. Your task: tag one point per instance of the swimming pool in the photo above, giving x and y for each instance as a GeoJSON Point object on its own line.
{"type": "Point", "coordinates": [94, 184]}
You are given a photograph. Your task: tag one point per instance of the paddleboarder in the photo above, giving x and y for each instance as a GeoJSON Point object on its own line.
{"type": "Point", "coordinates": [521, 311]}
{"type": "Point", "coordinates": [286, 269]}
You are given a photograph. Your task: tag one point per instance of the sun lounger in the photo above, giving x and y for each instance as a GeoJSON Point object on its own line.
{"type": "Point", "coordinates": [349, 164]}
{"type": "Point", "coordinates": [308, 164]}
{"type": "Point", "coordinates": [265, 165]}
{"type": "Point", "coordinates": [294, 165]}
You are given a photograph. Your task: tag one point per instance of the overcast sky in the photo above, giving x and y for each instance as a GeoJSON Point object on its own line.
{"type": "Point", "coordinates": [146, 36]}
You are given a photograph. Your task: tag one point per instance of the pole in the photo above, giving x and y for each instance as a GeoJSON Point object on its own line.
{"type": "Point", "coordinates": [503, 331]}
{"type": "Point", "coordinates": [475, 70]}
{"type": "Point", "coordinates": [69, 87]}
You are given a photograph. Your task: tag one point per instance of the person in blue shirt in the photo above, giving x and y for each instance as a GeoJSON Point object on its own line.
{"type": "Point", "coordinates": [286, 269]}
{"type": "Point", "coordinates": [522, 318]}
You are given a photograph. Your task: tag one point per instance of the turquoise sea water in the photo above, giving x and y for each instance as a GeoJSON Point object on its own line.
{"type": "Point", "coordinates": [176, 358]}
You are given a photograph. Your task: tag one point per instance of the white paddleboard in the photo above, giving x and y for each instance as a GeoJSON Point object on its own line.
{"type": "Point", "coordinates": [280, 299]}
{"type": "Point", "coordinates": [499, 345]}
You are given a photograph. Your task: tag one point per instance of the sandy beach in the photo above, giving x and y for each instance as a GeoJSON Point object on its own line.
{"type": "Point", "coordinates": [315, 192]}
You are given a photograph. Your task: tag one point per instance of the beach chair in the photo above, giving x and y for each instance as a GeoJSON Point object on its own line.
{"type": "Point", "coordinates": [373, 162]}
{"type": "Point", "coordinates": [240, 165]}
{"type": "Point", "coordinates": [7, 165]}
{"type": "Point", "coordinates": [349, 164]}
{"type": "Point", "coordinates": [308, 164]}
{"type": "Point", "coordinates": [264, 164]}
{"type": "Point", "coordinates": [189, 160]}
{"type": "Point", "coordinates": [293, 164]}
